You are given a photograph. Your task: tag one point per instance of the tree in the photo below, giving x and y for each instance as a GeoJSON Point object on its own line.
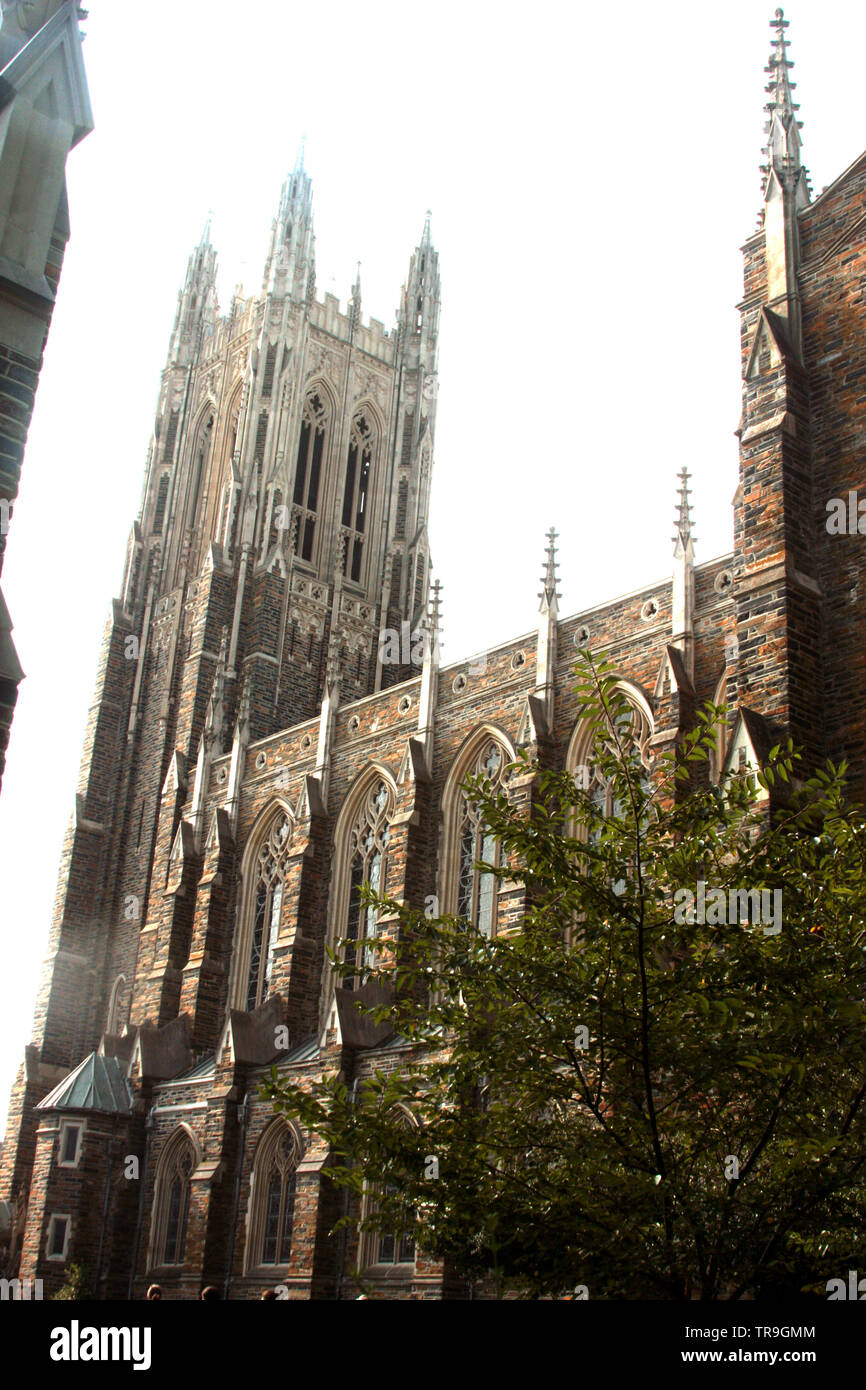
{"type": "Point", "coordinates": [655, 1085]}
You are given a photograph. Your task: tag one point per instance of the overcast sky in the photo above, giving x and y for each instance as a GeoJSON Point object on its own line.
{"type": "Point", "coordinates": [592, 171]}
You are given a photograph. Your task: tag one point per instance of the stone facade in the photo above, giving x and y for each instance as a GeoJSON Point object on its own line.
{"type": "Point", "coordinates": [270, 702]}
{"type": "Point", "coordinates": [44, 112]}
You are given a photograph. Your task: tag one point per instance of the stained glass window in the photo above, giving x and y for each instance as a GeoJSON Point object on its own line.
{"type": "Point", "coordinates": [277, 1175]}
{"type": "Point", "coordinates": [308, 471]}
{"type": "Point", "coordinates": [368, 846]}
{"type": "Point", "coordinates": [477, 891]}
{"type": "Point", "coordinates": [177, 1170]}
{"type": "Point", "coordinates": [267, 904]}
{"type": "Point", "coordinates": [362, 445]}
{"type": "Point", "coordinates": [394, 1249]}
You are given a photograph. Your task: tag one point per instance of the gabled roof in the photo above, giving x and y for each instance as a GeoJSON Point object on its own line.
{"type": "Point", "coordinates": [98, 1084]}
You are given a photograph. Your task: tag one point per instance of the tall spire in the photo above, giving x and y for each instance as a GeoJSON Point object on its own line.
{"type": "Point", "coordinates": [290, 267]}
{"type": "Point", "coordinates": [418, 315]}
{"type": "Point", "coordinates": [197, 307]}
{"type": "Point", "coordinates": [782, 150]}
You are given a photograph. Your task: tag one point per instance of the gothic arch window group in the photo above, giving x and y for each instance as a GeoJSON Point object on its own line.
{"type": "Point", "coordinates": [315, 422]}
{"type": "Point", "coordinates": [272, 1199]}
{"type": "Point", "coordinates": [356, 493]}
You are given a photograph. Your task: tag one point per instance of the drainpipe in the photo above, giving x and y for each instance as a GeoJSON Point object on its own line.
{"type": "Point", "coordinates": [243, 1118]}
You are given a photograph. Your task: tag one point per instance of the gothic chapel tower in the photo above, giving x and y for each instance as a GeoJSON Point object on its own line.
{"type": "Point", "coordinates": [283, 525]}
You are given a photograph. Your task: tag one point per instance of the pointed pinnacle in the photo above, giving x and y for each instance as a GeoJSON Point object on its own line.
{"type": "Point", "coordinates": [683, 522]}
{"type": "Point", "coordinates": [549, 579]}
{"type": "Point", "coordinates": [782, 148]}
{"type": "Point", "coordinates": [435, 614]}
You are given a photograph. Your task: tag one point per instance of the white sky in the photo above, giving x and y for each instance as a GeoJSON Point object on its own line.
{"type": "Point", "coordinates": [592, 170]}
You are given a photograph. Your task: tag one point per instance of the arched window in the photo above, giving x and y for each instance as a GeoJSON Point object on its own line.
{"type": "Point", "coordinates": [270, 871]}
{"type": "Point", "coordinates": [476, 891]}
{"type": "Point", "coordinates": [393, 1249]}
{"type": "Point", "coordinates": [386, 1247]}
{"type": "Point", "coordinates": [356, 494]}
{"type": "Point", "coordinates": [200, 457]}
{"type": "Point", "coordinates": [308, 470]}
{"type": "Point", "coordinates": [171, 1209]}
{"type": "Point", "coordinates": [636, 728]}
{"type": "Point", "coordinates": [368, 848]}
{"type": "Point", "coordinates": [272, 1202]}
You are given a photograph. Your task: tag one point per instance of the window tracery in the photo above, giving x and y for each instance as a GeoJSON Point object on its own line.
{"type": "Point", "coordinates": [477, 891]}
{"type": "Point", "coordinates": [362, 445]}
{"type": "Point", "coordinates": [368, 848]}
{"type": "Point", "coordinates": [270, 872]}
{"type": "Point", "coordinates": [308, 470]}
{"type": "Point", "coordinates": [273, 1197]}
{"type": "Point", "coordinates": [171, 1211]}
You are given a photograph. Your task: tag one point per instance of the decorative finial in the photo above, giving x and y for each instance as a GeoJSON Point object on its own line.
{"type": "Point", "coordinates": [782, 151]}
{"type": "Point", "coordinates": [549, 593]}
{"type": "Point", "coordinates": [435, 618]}
{"type": "Point", "coordinates": [683, 522]}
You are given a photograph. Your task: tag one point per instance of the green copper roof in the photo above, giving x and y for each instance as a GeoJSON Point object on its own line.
{"type": "Point", "coordinates": [99, 1083]}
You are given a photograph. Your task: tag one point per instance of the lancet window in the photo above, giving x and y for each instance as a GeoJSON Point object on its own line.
{"type": "Point", "coordinates": [270, 872]}
{"type": "Point", "coordinates": [477, 891]}
{"type": "Point", "coordinates": [273, 1197]}
{"type": "Point", "coordinates": [356, 493]}
{"type": "Point", "coordinates": [368, 849]}
{"type": "Point", "coordinates": [308, 470]}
